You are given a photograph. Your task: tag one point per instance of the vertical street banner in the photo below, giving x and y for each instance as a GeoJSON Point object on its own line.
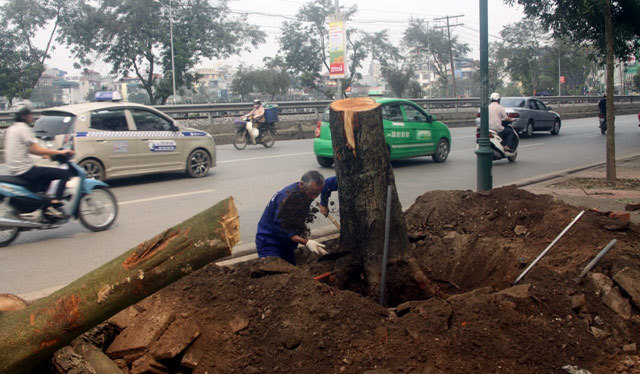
{"type": "Point", "coordinates": [337, 55]}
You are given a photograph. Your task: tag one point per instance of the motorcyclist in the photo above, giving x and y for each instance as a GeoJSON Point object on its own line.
{"type": "Point", "coordinates": [256, 115]}
{"type": "Point", "coordinates": [19, 142]}
{"type": "Point", "coordinates": [602, 106]}
{"type": "Point", "coordinates": [497, 114]}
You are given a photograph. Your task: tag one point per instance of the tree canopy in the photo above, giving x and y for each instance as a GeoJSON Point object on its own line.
{"type": "Point", "coordinates": [134, 37]}
{"type": "Point", "coordinates": [582, 21]}
{"type": "Point", "coordinates": [21, 61]}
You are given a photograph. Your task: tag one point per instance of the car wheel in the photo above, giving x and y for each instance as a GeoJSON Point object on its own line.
{"type": "Point", "coordinates": [528, 131]}
{"type": "Point", "coordinates": [198, 163]}
{"type": "Point", "coordinates": [556, 127]}
{"type": "Point", "coordinates": [325, 161]}
{"type": "Point", "coordinates": [442, 151]}
{"type": "Point", "coordinates": [93, 168]}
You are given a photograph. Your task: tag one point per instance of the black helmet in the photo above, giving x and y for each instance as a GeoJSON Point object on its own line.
{"type": "Point", "coordinates": [21, 109]}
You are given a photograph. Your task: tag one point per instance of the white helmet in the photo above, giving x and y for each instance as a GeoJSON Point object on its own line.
{"type": "Point", "coordinates": [495, 96]}
{"type": "Point", "coordinates": [21, 108]}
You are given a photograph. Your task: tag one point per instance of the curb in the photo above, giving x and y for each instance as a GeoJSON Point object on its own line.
{"type": "Point", "coordinates": [563, 173]}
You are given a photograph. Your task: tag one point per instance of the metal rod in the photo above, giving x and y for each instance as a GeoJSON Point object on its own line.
{"type": "Point", "coordinates": [385, 253]}
{"type": "Point", "coordinates": [595, 260]}
{"type": "Point", "coordinates": [548, 248]}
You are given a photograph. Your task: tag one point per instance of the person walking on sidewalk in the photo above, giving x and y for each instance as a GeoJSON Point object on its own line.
{"type": "Point", "coordinates": [283, 222]}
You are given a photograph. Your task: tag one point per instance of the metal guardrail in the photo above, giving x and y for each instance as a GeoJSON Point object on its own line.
{"type": "Point", "coordinates": [314, 107]}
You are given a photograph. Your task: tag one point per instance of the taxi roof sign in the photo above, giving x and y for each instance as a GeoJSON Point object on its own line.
{"type": "Point", "coordinates": [375, 93]}
{"type": "Point", "coordinates": [108, 96]}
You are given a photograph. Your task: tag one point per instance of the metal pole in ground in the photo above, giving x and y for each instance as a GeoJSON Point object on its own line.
{"type": "Point", "coordinates": [595, 260]}
{"type": "Point", "coordinates": [548, 247]}
{"type": "Point", "coordinates": [385, 253]}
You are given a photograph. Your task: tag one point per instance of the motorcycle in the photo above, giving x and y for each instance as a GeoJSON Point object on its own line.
{"type": "Point", "coordinates": [265, 134]}
{"type": "Point", "coordinates": [603, 123]}
{"type": "Point", "coordinates": [496, 143]}
{"type": "Point", "coordinates": [22, 209]}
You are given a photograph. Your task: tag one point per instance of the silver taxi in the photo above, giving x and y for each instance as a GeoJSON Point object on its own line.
{"type": "Point", "coordinates": [117, 139]}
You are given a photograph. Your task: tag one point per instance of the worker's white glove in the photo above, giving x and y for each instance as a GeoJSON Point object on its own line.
{"type": "Point", "coordinates": [316, 247]}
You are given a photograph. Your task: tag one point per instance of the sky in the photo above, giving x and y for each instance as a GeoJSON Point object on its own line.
{"type": "Point", "coordinates": [372, 15]}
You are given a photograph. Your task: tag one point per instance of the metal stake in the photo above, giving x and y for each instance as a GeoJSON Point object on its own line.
{"type": "Point", "coordinates": [548, 248]}
{"type": "Point", "coordinates": [385, 253]}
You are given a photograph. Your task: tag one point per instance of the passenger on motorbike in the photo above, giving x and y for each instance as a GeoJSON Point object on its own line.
{"type": "Point", "coordinates": [19, 142]}
{"type": "Point", "coordinates": [497, 114]}
{"type": "Point", "coordinates": [256, 115]}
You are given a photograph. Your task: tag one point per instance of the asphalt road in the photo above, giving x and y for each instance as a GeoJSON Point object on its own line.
{"type": "Point", "coordinates": [41, 261]}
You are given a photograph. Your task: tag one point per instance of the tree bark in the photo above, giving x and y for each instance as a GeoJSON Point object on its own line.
{"type": "Point", "coordinates": [364, 171]}
{"type": "Point", "coordinates": [611, 133]}
{"type": "Point", "coordinates": [31, 335]}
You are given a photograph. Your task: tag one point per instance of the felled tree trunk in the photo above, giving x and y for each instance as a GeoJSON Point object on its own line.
{"type": "Point", "coordinates": [363, 170]}
{"type": "Point", "coordinates": [30, 335]}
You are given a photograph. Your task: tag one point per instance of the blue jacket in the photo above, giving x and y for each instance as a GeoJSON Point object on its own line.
{"type": "Point", "coordinates": [271, 239]}
{"type": "Point", "coordinates": [330, 185]}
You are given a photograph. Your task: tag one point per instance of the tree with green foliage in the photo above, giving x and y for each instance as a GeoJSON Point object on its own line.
{"type": "Point", "coordinates": [611, 26]}
{"type": "Point", "coordinates": [22, 62]}
{"type": "Point", "coordinates": [134, 37]}
{"type": "Point", "coordinates": [243, 83]}
{"type": "Point", "coordinates": [304, 46]}
{"type": "Point", "coordinates": [398, 78]}
{"type": "Point", "coordinates": [422, 41]}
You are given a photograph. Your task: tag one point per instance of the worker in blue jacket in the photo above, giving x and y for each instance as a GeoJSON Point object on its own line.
{"type": "Point", "coordinates": [282, 224]}
{"type": "Point", "coordinates": [330, 185]}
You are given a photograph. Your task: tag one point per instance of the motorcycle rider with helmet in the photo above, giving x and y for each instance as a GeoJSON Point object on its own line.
{"type": "Point", "coordinates": [19, 142]}
{"type": "Point", "coordinates": [256, 115]}
{"type": "Point", "coordinates": [497, 114]}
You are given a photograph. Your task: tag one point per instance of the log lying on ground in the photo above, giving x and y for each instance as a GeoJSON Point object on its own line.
{"type": "Point", "coordinates": [31, 335]}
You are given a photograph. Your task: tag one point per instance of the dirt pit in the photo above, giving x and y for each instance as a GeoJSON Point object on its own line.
{"type": "Point", "coordinates": [267, 316]}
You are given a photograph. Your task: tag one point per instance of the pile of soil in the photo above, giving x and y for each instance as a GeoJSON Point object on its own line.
{"type": "Point", "coordinates": [266, 316]}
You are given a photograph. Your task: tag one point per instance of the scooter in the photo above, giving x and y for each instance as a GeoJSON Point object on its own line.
{"type": "Point", "coordinates": [22, 209]}
{"type": "Point", "coordinates": [265, 134]}
{"type": "Point", "coordinates": [496, 143]}
{"type": "Point", "coordinates": [603, 123]}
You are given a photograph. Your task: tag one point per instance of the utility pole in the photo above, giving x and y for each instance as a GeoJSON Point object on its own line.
{"type": "Point", "coordinates": [484, 153]}
{"type": "Point", "coordinates": [449, 26]}
{"type": "Point", "coordinates": [559, 79]}
{"type": "Point", "coordinates": [429, 59]}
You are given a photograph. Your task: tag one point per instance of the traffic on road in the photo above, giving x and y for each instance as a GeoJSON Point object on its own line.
{"type": "Point", "coordinates": [149, 204]}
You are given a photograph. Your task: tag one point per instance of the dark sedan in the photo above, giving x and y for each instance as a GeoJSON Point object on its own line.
{"type": "Point", "coordinates": [530, 115]}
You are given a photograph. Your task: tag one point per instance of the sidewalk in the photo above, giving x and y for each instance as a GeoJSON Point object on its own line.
{"type": "Point", "coordinates": [588, 187]}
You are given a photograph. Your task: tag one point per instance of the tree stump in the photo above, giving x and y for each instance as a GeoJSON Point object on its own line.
{"type": "Point", "coordinates": [363, 170]}
{"type": "Point", "coordinates": [31, 335]}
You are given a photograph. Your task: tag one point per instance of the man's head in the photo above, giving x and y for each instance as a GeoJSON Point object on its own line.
{"type": "Point", "coordinates": [311, 183]}
{"type": "Point", "coordinates": [495, 97]}
{"type": "Point", "coordinates": [23, 111]}
{"type": "Point", "coordinates": [257, 103]}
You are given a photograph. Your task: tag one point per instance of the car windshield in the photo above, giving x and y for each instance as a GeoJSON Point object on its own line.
{"type": "Point", "coordinates": [514, 102]}
{"type": "Point", "coordinates": [50, 124]}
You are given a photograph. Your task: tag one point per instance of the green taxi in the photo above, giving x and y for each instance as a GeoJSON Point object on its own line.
{"type": "Point", "coordinates": [408, 129]}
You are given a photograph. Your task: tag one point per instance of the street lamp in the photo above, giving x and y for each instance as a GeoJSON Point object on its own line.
{"type": "Point", "coordinates": [173, 66]}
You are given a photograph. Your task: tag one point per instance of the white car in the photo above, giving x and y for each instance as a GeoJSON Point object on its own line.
{"type": "Point", "coordinates": [117, 139]}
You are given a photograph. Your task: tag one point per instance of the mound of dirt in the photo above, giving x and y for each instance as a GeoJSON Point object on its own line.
{"type": "Point", "coordinates": [267, 316]}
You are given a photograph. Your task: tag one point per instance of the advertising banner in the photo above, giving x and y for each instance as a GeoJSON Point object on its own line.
{"type": "Point", "coordinates": [337, 55]}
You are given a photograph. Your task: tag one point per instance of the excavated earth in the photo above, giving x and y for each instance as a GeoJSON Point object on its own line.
{"type": "Point", "coordinates": [266, 316]}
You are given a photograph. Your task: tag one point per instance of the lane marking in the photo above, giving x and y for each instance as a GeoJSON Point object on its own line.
{"type": "Point", "coordinates": [163, 197]}
{"type": "Point", "coordinates": [531, 145]}
{"type": "Point", "coordinates": [265, 157]}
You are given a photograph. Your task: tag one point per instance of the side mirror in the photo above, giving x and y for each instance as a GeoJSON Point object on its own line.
{"type": "Point", "coordinates": [431, 118]}
{"type": "Point", "coordinates": [549, 108]}
{"type": "Point", "coordinates": [175, 128]}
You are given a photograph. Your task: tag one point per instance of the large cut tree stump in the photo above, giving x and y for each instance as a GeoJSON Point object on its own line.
{"type": "Point", "coordinates": [31, 335]}
{"type": "Point", "coordinates": [364, 171]}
